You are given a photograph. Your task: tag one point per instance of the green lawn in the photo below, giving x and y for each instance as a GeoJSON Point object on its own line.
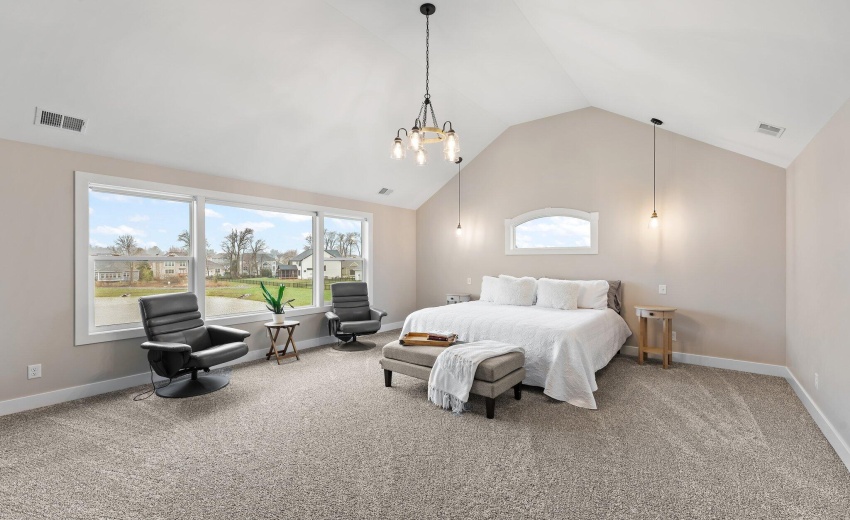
{"type": "Point", "coordinates": [229, 289]}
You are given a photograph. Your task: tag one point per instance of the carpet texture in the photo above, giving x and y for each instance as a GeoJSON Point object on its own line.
{"type": "Point", "coordinates": [323, 438]}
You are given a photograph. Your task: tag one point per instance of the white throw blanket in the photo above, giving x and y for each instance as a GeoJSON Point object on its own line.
{"type": "Point", "coordinates": [454, 371]}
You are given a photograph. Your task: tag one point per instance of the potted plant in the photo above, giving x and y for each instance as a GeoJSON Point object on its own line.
{"type": "Point", "coordinates": [276, 305]}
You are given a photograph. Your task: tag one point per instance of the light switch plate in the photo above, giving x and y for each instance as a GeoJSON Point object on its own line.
{"type": "Point", "coordinates": [662, 289]}
{"type": "Point", "coordinates": [469, 281]}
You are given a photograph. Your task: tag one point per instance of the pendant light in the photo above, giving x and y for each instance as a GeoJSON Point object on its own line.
{"type": "Point", "coordinates": [421, 133]}
{"type": "Point", "coordinates": [653, 220]}
{"type": "Point", "coordinates": [459, 230]}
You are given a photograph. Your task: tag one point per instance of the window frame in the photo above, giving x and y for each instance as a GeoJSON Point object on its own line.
{"type": "Point", "coordinates": [84, 334]}
{"type": "Point", "coordinates": [512, 223]}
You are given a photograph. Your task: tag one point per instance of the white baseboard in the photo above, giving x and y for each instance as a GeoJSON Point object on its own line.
{"type": "Point", "coordinates": [716, 362]}
{"type": "Point", "coordinates": [832, 436]}
{"type": "Point", "coordinates": [31, 402]}
{"type": "Point", "coordinates": [391, 326]}
{"type": "Point", "coordinates": [840, 445]}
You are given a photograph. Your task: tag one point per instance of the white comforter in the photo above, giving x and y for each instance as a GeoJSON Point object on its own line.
{"type": "Point", "coordinates": [563, 349]}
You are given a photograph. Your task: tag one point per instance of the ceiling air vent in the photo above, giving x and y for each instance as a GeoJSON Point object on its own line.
{"type": "Point", "coordinates": [385, 191]}
{"type": "Point", "coordinates": [775, 131]}
{"type": "Point", "coordinates": [57, 120]}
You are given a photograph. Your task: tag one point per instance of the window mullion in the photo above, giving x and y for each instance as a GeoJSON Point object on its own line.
{"type": "Point", "coordinates": [199, 246]}
{"type": "Point", "coordinates": [319, 259]}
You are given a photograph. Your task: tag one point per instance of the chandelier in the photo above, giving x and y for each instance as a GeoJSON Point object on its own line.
{"type": "Point", "coordinates": [423, 131]}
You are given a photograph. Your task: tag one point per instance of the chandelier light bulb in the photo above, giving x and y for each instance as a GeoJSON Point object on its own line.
{"type": "Point", "coordinates": [450, 154]}
{"type": "Point", "coordinates": [421, 157]}
{"type": "Point", "coordinates": [452, 142]}
{"type": "Point", "coordinates": [653, 221]}
{"type": "Point", "coordinates": [398, 152]}
{"type": "Point", "coordinates": [415, 138]}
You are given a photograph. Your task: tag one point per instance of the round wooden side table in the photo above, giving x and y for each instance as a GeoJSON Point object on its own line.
{"type": "Point", "coordinates": [289, 326]}
{"type": "Point", "coordinates": [665, 314]}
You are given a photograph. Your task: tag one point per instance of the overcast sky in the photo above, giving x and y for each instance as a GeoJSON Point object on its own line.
{"type": "Point", "coordinates": [155, 222]}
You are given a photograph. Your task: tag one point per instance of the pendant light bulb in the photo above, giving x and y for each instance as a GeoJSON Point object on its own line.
{"type": "Point", "coordinates": [459, 230]}
{"type": "Point", "coordinates": [653, 221]}
{"type": "Point", "coordinates": [398, 152]}
{"type": "Point", "coordinates": [421, 157]}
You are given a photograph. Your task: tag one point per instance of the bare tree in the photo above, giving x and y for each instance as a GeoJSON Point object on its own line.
{"type": "Point", "coordinates": [185, 239]}
{"type": "Point", "coordinates": [258, 247]}
{"type": "Point", "coordinates": [229, 248]}
{"type": "Point", "coordinates": [243, 242]}
{"type": "Point", "coordinates": [286, 256]}
{"type": "Point", "coordinates": [308, 241]}
{"type": "Point", "coordinates": [331, 239]}
{"type": "Point", "coordinates": [126, 245]}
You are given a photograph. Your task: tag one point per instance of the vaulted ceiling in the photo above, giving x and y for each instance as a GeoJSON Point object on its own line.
{"type": "Point", "coordinates": [309, 94]}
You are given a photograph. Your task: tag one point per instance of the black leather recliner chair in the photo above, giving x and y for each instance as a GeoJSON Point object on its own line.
{"type": "Point", "coordinates": [180, 343]}
{"type": "Point", "coordinates": [352, 315]}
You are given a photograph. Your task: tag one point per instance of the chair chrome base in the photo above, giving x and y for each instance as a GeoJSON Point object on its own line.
{"type": "Point", "coordinates": [194, 387]}
{"type": "Point", "coordinates": [354, 346]}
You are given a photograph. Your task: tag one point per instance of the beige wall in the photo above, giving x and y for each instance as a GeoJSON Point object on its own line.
{"type": "Point", "coordinates": [819, 270]}
{"type": "Point", "coordinates": [36, 208]}
{"type": "Point", "coordinates": [720, 249]}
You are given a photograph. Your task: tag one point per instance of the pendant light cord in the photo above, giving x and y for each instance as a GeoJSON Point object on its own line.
{"type": "Point", "coordinates": [458, 193]}
{"type": "Point", "coordinates": [654, 130]}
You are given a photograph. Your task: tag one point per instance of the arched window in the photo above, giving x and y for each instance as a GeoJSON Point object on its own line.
{"type": "Point", "coordinates": [552, 231]}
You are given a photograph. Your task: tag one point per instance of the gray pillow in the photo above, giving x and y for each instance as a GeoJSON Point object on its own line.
{"type": "Point", "coordinates": [614, 295]}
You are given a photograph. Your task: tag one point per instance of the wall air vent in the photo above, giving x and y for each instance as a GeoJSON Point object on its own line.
{"type": "Point", "coordinates": [385, 191]}
{"type": "Point", "coordinates": [772, 130]}
{"type": "Point", "coordinates": [57, 120]}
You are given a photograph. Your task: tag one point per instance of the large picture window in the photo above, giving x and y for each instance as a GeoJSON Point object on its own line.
{"type": "Point", "coordinates": [247, 246]}
{"type": "Point", "coordinates": [552, 231]}
{"type": "Point", "coordinates": [135, 238]}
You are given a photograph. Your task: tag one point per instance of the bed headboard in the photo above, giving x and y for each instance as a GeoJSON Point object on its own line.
{"type": "Point", "coordinates": [615, 295]}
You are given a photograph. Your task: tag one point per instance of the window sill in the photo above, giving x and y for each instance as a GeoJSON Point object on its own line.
{"type": "Point", "coordinates": [134, 332]}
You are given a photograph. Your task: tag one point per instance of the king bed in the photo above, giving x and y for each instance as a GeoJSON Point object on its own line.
{"type": "Point", "coordinates": [563, 348]}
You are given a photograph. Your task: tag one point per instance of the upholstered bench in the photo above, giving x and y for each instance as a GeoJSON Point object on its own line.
{"type": "Point", "coordinates": [493, 377]}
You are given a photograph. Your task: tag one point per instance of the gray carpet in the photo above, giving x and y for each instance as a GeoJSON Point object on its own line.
{"type": "Point", "coordinates": [323, 438]}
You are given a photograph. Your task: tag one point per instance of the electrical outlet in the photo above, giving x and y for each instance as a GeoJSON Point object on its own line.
{"type": "Point", "coordinates": [33, 371]}
{"type": "Point", "coordinates": [662, 289]}
{"type": "Point", "coordinates": [674, 335]}
{"type": "Point", "coordinates": [816, 381]}
{"type": "Point", "coordinates": [469, 281]}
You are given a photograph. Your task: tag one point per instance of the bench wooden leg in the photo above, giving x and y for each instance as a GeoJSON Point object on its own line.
{"type": "Point", "coordinates": [388, 378]}
{"type": "Point", "coordinates": [491, 407]}
{"type": "Point", "coordinates": [518, 391]}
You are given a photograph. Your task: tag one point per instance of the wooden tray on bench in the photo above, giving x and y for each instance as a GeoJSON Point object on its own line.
{"type": "Point", "coordinates": [421, 339]}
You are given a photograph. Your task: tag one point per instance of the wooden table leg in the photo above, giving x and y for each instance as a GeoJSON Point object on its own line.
{"type": "Point", "coordinates": [291, 341]}
{"type": "Point", "coordinates": [641, 340]}
{"type": "Point", "coordinates": [273, 350]}
{"type": "Point", "coordinates": [670, 341]}
{"type": "Point", "coordinates": [665, 350]}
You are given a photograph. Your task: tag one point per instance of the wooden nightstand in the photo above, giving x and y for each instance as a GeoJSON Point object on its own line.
{"type": "Point", "coordinates": [665, 314]}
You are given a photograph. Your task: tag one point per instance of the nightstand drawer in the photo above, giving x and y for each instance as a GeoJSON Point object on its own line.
{"type": "Point", "coordinates": [456, 298]}
{"type": "Point", "coordinates": [646, 313]}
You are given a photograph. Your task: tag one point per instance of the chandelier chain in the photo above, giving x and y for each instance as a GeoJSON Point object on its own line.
{"type": "Point", "coordinates": [427, 55]}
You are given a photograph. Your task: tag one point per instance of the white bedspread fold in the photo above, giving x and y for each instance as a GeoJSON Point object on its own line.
{"type": "Point", "coordinates": [454, 371]}
{"type": "Point", "coordinates": [563, 349]}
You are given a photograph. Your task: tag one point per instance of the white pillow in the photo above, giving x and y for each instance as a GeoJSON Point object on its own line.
{"type": "Point", "coordinates": [592, 294]}
{"type": "Point", "coordinates": [489, 288]}
{"type": "Point", "coordinates": [557, 294]}
{"type": "Point", "coordinates": [516, 291]}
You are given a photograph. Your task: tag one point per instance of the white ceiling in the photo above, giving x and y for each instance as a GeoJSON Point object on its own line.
{"type": "Point", "coordinates": [309, 94]}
